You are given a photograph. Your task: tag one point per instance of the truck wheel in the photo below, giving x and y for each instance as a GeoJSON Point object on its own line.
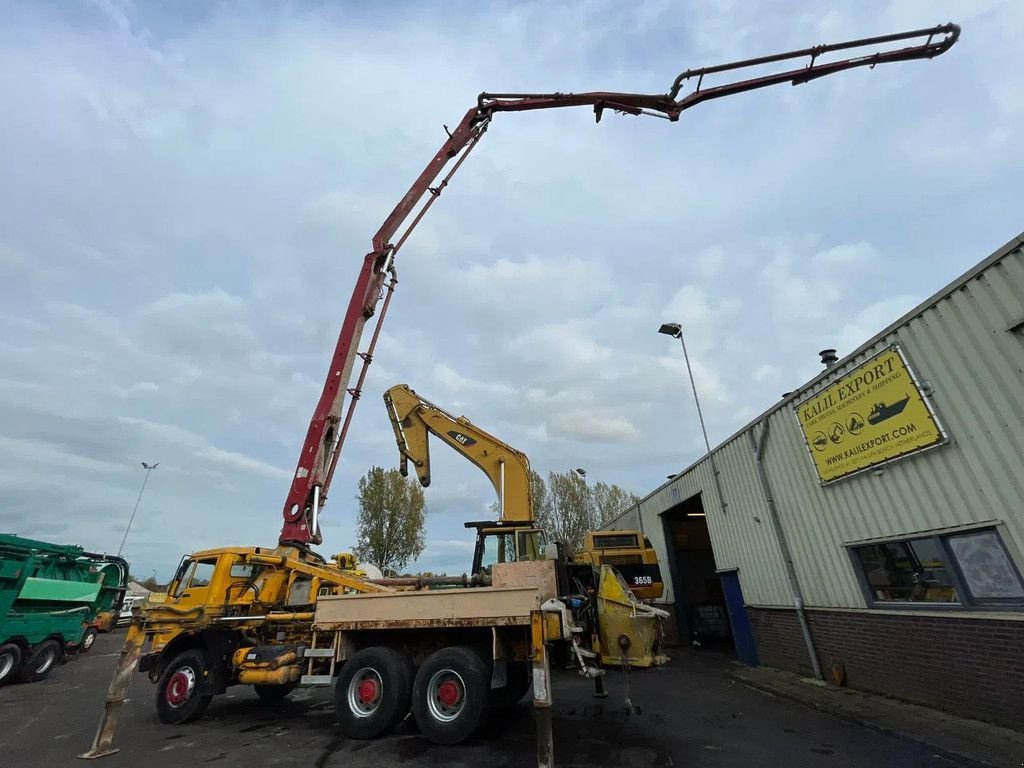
{"type": "Point", "coordinates": [273, 694]}
{"type": "Point", "coordinates": [519, 681]}
{"type": "Point", "coordinates": [41, 660]}
{"type": "Point", "coordinates": [373, 692]}
{"type": "Point", "coordinates": [450, 695]}
{"type": "Point", "coordinates": [181, 691]}
{"type": "Point", "coordinates": [10, 661]}
{"type": "Point", "coordinates": [88, 639]}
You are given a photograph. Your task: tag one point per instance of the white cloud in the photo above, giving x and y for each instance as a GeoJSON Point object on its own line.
{"type": "Point", "coordinates": [241, 461]}
{"type": "Point", "coordinates": [187, 202]}
{"type": "Point", "coordinates": [138, 388]}
{"type": "Point", "coordinates": [872, 319]}
{"type": "Point", "coordinates": [600, 427]}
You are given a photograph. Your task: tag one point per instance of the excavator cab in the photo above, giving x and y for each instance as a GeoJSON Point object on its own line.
{"type": "Point", "coordinates": [506, 542]}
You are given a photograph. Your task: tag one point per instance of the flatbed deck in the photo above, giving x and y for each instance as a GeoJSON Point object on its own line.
{"type": "Point", "coordinates": [442, 608]}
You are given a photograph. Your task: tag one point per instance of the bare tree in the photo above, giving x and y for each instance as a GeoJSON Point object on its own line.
{"type": "Point", "coordinates": [572, 509]}
{"type": "Point", "coordinates": [611, 500]}
{"type": "Point", "coordinates": [567, 508]}
{"type": "Point", "coordinates": [390, 526]}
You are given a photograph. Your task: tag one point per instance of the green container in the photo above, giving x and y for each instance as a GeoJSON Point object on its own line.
{"type": "Point", "coordinates": [53, 591]}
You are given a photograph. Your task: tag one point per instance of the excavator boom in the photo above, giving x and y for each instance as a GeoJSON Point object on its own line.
{"type": "Point", "coordinates": [325, 435]}
{"type": "Point", "coordinates": [414, 419]}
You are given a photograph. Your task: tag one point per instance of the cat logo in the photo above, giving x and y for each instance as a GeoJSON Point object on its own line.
{"type": "Point", "coordinates": [460, 438]}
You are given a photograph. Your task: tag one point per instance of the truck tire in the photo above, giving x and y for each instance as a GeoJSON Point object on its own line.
{"type": "Point", "coordinates": [181, 691]}
{"type": "Point", "coordinates": [450, 695]}
{"type": "Point", "coordinates": [519, 675]}
{"type": "Point", "coordinates": [273, 694]}
{"type": "Point", "coordinates": [373, 692]}
{"type": "Point", "coordinates": [10, 661]}
{"type": "Point", "coordinates": [40, 662]}
{"type": "Point", "coordinates": [88, 639]}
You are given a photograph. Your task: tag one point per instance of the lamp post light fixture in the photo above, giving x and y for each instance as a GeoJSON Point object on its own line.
{"type": "Point", "coordinates": [675, 330]}
{"type": "Point", "coordinates": [149, 468]}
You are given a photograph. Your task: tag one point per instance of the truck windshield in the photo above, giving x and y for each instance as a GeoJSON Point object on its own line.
{"type": "Point", "coordinates": [193, 573]}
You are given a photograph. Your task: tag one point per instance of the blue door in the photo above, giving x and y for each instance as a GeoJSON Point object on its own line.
{"type": "Point", "coordinates": [742, 634]}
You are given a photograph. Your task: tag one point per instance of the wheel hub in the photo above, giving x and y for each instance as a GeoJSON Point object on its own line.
{"type": "Point", "coordinates": [364, 692]}
{"type": "Point", "coordinates": [367, 691]}
{"type": "Point", "coordinates": [448, 693]}
{"type": "Point", "coordinates": [46, 661]}
{"type": "Point", "coordinates": [180, 687]}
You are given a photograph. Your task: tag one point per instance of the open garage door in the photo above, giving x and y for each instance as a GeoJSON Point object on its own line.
{"type": "Point", "coordinates": [702, 619]}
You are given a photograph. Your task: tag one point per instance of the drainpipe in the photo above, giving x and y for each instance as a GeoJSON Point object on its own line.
{"type": "Point", "coordinates": [757, 446]}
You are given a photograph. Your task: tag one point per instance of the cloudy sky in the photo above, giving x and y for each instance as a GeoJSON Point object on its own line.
{"type": "Point", "coordinates": [187, 190]}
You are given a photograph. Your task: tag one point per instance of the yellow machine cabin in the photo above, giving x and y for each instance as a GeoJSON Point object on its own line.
{"type": "Point", "coordinates": [631, 554]}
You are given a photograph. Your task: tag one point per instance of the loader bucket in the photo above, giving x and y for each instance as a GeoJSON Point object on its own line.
{"type": "Point", "coordinates": [629, 630]}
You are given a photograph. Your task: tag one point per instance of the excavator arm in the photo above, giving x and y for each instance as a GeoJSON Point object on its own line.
{"type": "Point", "coordinates": [377, 277]}
{"type": "Point", "coordinates": [414, 419]}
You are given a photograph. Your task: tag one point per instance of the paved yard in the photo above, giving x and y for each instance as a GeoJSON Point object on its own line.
{"type": "Point", "coordinates": [690, 714]}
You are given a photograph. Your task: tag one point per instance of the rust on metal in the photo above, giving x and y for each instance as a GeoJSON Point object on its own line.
{"type": "Point", "coordinates": [103, 743]}
{"type": "Point", "coordinates": [477, 580]}
{"type": "Point", "coordinates": [445, 623]}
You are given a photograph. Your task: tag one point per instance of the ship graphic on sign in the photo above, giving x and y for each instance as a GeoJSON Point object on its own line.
{"type": "Point", "coordinates": [881, 411]}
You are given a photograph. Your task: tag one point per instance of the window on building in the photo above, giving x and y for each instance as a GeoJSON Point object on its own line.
{"type": "Point", "coordinates": [987, 570]}
{"type": "Point", "coordinates": [963, 569]}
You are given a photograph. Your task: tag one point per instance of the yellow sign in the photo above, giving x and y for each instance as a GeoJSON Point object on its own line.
{"type": "Point", "coordinates": [874, 414]}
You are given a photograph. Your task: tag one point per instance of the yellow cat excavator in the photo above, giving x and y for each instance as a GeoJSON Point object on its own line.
{"type": "Point", "coordinates": [513, 536]}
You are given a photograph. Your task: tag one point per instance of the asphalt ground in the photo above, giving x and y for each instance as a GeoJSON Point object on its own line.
{"type": "Point", "coordinates": [688, 713]}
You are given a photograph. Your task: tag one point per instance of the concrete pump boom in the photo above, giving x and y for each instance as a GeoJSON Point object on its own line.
{"type": "Point", "coordinates": [377, 277]}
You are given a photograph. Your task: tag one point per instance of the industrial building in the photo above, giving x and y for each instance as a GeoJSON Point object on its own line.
{"type": "Point", "coordinates": [869, 527]}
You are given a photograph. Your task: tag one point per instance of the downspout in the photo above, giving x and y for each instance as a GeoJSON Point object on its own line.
{"type": "Point", "coordinates": [757, 446]}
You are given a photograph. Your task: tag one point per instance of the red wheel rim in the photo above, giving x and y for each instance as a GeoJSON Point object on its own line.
{"type": "Point", "coordinates": [180, 686]}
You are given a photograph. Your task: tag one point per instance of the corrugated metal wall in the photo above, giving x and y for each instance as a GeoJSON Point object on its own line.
{"type": "Point", "coordinates": [963, 345]}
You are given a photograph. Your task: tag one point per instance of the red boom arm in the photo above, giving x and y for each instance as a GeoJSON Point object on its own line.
{"type": "Point", "coordinates": [326, 433]}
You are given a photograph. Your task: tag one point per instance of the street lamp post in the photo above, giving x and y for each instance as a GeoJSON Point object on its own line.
{"type": "Point", "coordinates": [149, 468]}
{"type": "Point", "coordinates": [675, 330]}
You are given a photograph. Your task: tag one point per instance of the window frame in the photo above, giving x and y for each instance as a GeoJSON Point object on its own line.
{"type": "Point", "coordinates": [966, 599]}
{"type": "Point", "coordinates": [987, 603]}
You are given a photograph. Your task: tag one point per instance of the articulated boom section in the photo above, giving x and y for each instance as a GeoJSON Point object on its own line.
{"type": "Point", "coordinates": [414, 417]}
{"type": "Point", "coordinates": [327, 428]}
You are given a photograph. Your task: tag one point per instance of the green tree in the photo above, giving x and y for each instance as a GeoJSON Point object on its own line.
{"type": "Point", "coordinates": [611, 500]}
{"type": "Point", "coordinates": [390, 526]}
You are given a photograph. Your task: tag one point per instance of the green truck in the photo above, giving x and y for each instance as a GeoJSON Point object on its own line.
{"type": "Point", "coordinates": [53, 598]}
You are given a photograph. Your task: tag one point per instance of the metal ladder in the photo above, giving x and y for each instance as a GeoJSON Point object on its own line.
{"type": "Point", "coordinates": [312, 653]}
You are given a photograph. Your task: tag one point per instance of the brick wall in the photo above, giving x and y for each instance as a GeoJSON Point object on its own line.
{"type": "Point", "coordinates": [778, 638]}
{"type": "Point", "coordinates": [969, 666]}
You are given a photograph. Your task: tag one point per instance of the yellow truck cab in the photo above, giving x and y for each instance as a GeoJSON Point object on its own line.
{"type": "Point", "coordinates": [221, 605]}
